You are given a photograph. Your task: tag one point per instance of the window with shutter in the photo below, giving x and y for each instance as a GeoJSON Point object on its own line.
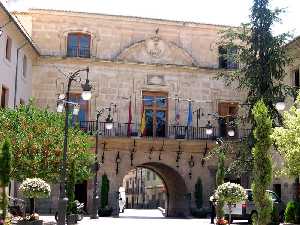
{"type": "Point", "coordinates": [79, 45]}
{"type": "Point", "coordinates": [227, 113]}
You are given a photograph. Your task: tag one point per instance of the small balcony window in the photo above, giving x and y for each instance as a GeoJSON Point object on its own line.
{"type": "Point", "coordinates": [227, 58]}
{"type": "Point", "coordinates": [79, 45]}
{"type": "Point", "coordinates": [24, 66]}
{"type": "Point", "coordinates": [8, 48]}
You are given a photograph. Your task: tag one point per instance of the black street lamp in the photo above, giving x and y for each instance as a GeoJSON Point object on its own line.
{"type": "Point", "coordinates": [64, 102]}
{"type": "Point", "coordinates": [108, 126]}
{"type": "Point", "coordinates": [209, 129]}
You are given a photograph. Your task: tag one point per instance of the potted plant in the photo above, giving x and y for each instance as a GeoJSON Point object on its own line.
{"type": "Point", "coordinates": [33, 188]}
{"type": "Point", "coordinates": [72, 214]}
{"type": "Point", "coordinates": [230, 194]}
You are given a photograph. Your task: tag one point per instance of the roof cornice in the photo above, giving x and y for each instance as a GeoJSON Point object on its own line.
{"type": "Point", "coordinates": [129, 18]}
{"type": "Point", "coordinates": [26, 37]}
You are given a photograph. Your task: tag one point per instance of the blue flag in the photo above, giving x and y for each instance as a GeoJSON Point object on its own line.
{"type": "Point", "coordinates": [190, 115]}
{"type": "Point", "coordinates": [177, 112]}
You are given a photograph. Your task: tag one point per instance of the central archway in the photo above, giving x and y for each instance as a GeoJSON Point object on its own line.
{"type": "Point", "coordinates": [177, 201]}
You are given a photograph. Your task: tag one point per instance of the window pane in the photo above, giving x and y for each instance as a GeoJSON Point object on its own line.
{"type": "Point", "coordinates": [72, 45]}
{"type": "Point", "coordinates": [4, 97]}
{"type": "Point", "coordinates": [161, 124]}
{"type": "Point", "coordinates": [84, 41]}
{"type": "Point", "coordinates": [149, 122]}
{"type": "Point", "coordinates": [24, 66]}
{"type": "Point", "coordinates": [73, 40]}
{"type": "Point", "coordinates": [83, 112]}
{"type": "Point", "coordinates": [161, 101]}
{"type": "Point", "coordinates": [8, 48]}
{"type": "Point", "coordinates": [148, 100]}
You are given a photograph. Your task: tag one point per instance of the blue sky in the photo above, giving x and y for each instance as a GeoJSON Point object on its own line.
{"type": "Point", "coordinates": [228, 12]}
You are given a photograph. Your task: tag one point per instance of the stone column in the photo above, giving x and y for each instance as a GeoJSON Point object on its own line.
{"type": "Point", "coordinates": [113, 197]}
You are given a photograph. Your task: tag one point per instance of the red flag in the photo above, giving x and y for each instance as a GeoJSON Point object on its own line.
{"type": "Point", "coordinates": [129, 119]}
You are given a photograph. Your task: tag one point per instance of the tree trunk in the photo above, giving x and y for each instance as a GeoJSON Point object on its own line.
{"type": "Point", "coordinates": [4, 202]}
{"type": "Point", "coordinates": [32, 205]}
{"type": "Point", "coordinates": [229, 209]}
{"type": "Point", "coordinates": [297, 189]}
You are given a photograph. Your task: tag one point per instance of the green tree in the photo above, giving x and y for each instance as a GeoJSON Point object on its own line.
{"type": "Point", "coordinates": [104, 191]}
{"type": "Point", "coordinates": [262, 162]}
{"type": "Point", "coordinates": [5, 169]}
{"type": "Point", "coordinates": [37, 143]}
{"type": "Point", "coordinates": [199, 193]}
{"type": "Point", "coordinates": [287, 140]}
{"type": "Point", "coordinates": [262, 58]}
{"type": "Point", "coordinates": [230, 193]}
{"type": "Point", "coordinates": [220, 152]}
{"type": "Point", "coordinates": [220, 180]}
{"type": "Point", "coordinates": [70, 189]}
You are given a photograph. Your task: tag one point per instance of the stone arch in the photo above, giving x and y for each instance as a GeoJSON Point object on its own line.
{"type": "Point", "coordinates": [156, 51]}
{"type": "Point", "coordinates": [177, 202]}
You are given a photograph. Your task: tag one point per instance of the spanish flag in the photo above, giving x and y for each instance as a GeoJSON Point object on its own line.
{"type": "Point", "coordinates": [143, 122]}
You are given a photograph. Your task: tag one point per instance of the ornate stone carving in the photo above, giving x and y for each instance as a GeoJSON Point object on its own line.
{"type": "Point", "coordinates": [155, 47]}
{"type": "Point", "coordinates": [156, 51]}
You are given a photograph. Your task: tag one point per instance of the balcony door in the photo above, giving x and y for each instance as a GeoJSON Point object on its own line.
{"type": "Point", "coordinates": [84, 108]}
{"type": "Point", "coordinates": [227, 112]}
{"type": "Point", "coordinates": [156, 113]}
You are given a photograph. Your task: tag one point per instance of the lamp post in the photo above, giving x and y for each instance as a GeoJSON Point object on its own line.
{"type": "Point", "coordinates": [280, 106]}
{"type": "Point", "coordinates": [65, 101]}
{"type": "Point", "coordinates": [109, 126]}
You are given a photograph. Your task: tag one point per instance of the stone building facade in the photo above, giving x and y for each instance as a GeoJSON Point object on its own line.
{"type": "Point", "coordinates": [144, 189]}
{"type": "Point", "coordinates": [163, 70]}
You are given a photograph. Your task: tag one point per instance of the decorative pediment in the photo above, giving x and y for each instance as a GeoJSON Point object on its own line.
{"type": "Point", "coordinates": [156, 51]}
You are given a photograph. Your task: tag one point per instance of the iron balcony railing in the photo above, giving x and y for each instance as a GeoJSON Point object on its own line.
{"type": "Point", "coordinates": [172, 131]}
{"type": "Point", "coordinates": [82, 52]}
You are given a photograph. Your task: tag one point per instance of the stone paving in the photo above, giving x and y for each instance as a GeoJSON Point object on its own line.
{"type": "Point", "coordinates": [140, 217]}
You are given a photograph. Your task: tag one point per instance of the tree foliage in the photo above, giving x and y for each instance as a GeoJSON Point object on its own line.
{"type": "Point", "coordinates": [37, 144]}
{"type": "Point", "coordinates": [262, 162]}
{"type": "Point", "coordinates": [70, 189]}
{"type": "Point", "coordinates": [199, 193]}
{"type": "Point", "coordinates": [230, 193]}
{"type": "Point", "coordinates": [287, 140]}
{"type": "Point", "coordinates": [262, 58]}
{"type": "Point", "coordinates": [5, 168]}
{"type": "Point", "coordinates": [104, 191]}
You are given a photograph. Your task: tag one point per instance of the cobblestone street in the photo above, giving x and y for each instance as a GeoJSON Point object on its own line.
{"type": "Point", "coordinates": [144, 217]}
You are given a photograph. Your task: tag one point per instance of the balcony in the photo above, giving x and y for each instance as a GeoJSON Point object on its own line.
{"type": "Point", "coordinates": [172, 131]}
{"type": "Point", "coordinates": [81, 52]}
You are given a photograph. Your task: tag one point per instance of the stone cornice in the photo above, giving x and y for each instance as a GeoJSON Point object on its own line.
{"type": "Point", "coordinates": [96, 61]}
{"type": "Point", "coordinates": [127, 18]}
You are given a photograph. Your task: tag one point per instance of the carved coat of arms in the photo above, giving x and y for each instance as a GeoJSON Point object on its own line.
{"type": "Point", "coordinates": [155, 47]}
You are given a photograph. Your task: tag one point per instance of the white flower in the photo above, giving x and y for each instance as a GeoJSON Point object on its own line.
{"type": "Point", "coordinates": [230, 193]}
{"type": "Point", "coordinates": [35, 188]}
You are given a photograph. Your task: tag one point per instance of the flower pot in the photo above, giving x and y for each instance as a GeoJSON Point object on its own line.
{"type": "Point", "coordinates": [72, 219]}
{"type": "Point", "coordinates": [105, 212]}
{"type": "Point", "coordinates": [30, 222]}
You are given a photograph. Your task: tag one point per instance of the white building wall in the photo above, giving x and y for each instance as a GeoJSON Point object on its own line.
{"type": "Point", "coordinates": [8, 68]}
